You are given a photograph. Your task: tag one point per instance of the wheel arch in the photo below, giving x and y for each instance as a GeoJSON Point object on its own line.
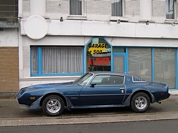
{"type": "Point", "coordinates": [128, 100]}
{"type": "Point", "coordinates": [144, 91]}
{"type": "Point", "coordinates": [54, 93]}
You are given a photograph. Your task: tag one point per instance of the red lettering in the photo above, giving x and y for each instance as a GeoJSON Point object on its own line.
{"type": "Point", "coordinates": [102, 62]}
{"type": "Point", "coordinates": [99, 61]}
{"type": "Point", "coordinates": [89, 61]}
{"type": "Point", "coordinates": [107, 61]}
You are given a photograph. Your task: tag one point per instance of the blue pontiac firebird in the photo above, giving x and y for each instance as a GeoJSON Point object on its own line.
{"type": "Point", "coordinates": [94, 90]}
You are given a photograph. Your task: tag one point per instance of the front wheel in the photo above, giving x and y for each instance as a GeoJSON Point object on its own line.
{"type": "Point", "coordinates": [140, 102]}
{"type": "Point", "coordinates": [53, 105]}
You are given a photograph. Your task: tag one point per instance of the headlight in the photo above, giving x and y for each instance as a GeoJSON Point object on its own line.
{"type": "Point", "coordinates": [25, 89]}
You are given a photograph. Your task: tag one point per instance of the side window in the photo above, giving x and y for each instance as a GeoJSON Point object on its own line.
{"type": "Point", "coordinates": [76, 7]}
{"type": "Point", "coordinates": [108, 80]}
{"type": "Point", "coordinates": [116, 80]}
{"type": "Point", "coordinates": [170, 9]}
{"type": "Point", "coordinates": [116, 7]}
{"type": "Point", "coordinates": [137, 79]}
{"type": "Point", "coordinates": [101, 79]}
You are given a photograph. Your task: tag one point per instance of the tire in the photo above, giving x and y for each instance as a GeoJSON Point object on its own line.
{"type": "Point", "coordinates": [140, 102]}
{"type": "Point", "coordinates": [53, 105]}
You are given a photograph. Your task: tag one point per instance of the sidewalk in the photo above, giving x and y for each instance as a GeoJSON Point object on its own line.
{"type": "Point", "coordinates": [13, 114]}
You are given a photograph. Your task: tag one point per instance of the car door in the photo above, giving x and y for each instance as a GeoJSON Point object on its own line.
{"type": "Point", "coordinates": [104, 89]}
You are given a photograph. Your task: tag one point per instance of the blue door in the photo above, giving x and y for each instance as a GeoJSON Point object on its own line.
{"type": "Point", "coordinates": [103, 90]}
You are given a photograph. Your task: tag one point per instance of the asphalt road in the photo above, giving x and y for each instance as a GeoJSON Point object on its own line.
{"type": "Point", "coordinates": [166, 126]}
{"type": "Point", "coordinates": [11, 109]}
{"type": "Point", "coordinates": [13, 114]}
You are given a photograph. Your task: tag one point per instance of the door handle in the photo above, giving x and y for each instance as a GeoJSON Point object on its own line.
{"type": "Point", "coordinates": [122, 90]}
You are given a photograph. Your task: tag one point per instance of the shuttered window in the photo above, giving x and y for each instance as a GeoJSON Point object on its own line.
{"type": "Point", "coordinates": [116, 7]}
{"type": "Point", "coordinates": [75, 7]}
{"type": "Point", "coordinates": [8, 11]}
{"type": "Point", "coordinates": [170, 9]}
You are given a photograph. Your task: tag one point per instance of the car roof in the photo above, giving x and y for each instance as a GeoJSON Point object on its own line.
{"type": "Point", "coordinates": [108, 72]}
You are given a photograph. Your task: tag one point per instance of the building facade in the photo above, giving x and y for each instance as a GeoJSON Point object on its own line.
{"type": "Point", "coordinates": [9, 36]}
{"type": "Point", "coordinates": [62, 39]}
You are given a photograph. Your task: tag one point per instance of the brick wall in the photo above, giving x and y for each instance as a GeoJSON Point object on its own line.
{"type": "Point", "coordinates": [9, 69]}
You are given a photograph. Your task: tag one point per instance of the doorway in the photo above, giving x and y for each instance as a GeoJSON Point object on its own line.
{"type": "Point", "coordinates": [119, 63]}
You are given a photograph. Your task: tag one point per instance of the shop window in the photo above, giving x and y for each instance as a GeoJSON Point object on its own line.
{"type": "Point", "coordinates": [98, 55]}
{"type": "Point", "coordinates": [170, 9]}
{"type": "Point", "coordinates": [56, 61]}
{"type": "Point", "coordinates": [34, 60]}
{"type": "Point", "coordinates": [164, 62]}
{"type": "Point", "coordinates": [139, 61]}
{"type": "Point", "coordinates": [76, 7]}
{"type": "Point", "coordinates": [116, 7]}
{"type": "Point", "coordinates": [119, 50]}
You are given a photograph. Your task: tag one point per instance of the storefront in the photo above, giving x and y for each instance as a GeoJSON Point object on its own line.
{"type": "Point", "coordinates": [98, 54]}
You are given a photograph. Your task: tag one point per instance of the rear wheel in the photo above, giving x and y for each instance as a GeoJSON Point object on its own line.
{"type": "Point", "coordinates": [53, 105]}
{"type": "Point", "coordinates": [140, 102]}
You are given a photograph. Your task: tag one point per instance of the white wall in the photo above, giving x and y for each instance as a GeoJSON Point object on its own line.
{"type": "Point", "coordinates": [98, 9]}
{"type": "Point", "coordinates": [113, 29]}
{"type": "Point", "coordinates": [9, 38]}
{"type": "Point", "coordinates": [96, 23]}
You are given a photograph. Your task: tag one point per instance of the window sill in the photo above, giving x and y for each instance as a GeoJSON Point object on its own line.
{"type": "Point", "coordinates": [76, 17]}
{"type": "Point", "coordinates": [47, 78]}
{"type": "Point", "coordinates": [122, 19]}
{"type": "Point", "coordinates": [144, 20]}
{"type": "Point", "coordinates": [170, 21]}
{"type": "Point", "coordinates": [9, 25]}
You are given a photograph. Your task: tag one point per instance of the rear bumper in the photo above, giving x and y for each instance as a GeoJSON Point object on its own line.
{"type": "Point", "coordinates": [168, 95]}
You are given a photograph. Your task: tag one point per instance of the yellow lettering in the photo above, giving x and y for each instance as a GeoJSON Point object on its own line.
{"type": "Point", "coordinates": [96, 50]}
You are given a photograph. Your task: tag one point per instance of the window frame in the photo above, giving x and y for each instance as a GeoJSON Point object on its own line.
{"type": "Point", "coordinates": [123, 3]}
{"type": "Point", "coordinates": [81, 7]}
{"type": "Point", "coordinates": [39, 65]}
{"type": "Point", "coordinates": [174, 9]}
{"type": "Point", "coordinates": [85, 52]}
{"type": "Point", "coordinates": [119, 18]}
{"type": "Point", "coordinates": [108, 76]}
{"type": "Point", "coordinates": [10, 14]}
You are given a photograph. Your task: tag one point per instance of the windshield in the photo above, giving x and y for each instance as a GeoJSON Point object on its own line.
{"type": "Point", "coordinates": [84, 79]}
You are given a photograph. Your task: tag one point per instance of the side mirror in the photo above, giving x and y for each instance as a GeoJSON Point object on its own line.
{"type": "Point", "coordinates": [93, 84]}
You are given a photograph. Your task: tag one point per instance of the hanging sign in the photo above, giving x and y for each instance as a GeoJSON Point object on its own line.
{"type": "Point", "coordinates": [99, 61]}
{"type": "Point", "coordinates": [97, 48]}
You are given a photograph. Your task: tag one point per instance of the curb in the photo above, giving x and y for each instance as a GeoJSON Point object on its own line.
{"type": "Point", "coordinates": [7, 95]}
{"type": "Point", "coordinates": [87, 120]}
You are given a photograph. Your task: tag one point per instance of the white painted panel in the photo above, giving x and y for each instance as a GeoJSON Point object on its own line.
{"type": "Point", "coordinates": [146, 9]}
{"type": "Point", "coordinates": [143, 42]}
{"type": "Point", "coordinates": [97, 28]}
{"type": "Point", "coordinates": [8, 38]}
{"type": "Point", "coordinates": [38, 7]}
{"type": "Point", "coordinates": [156, 31]}
{"type": "Point", "coordinates": [55, 40]}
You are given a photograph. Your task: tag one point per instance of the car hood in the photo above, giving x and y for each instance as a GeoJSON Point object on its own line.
{"type": "Point", "coordinates": [43, 86]}
{"type": "Point", "coordinates": [49, 85]}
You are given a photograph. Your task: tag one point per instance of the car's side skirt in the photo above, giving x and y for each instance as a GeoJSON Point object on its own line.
{"type": "Point", "coordinates": [97, 106]}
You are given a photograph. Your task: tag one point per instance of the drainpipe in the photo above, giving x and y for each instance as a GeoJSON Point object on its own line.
{"type": "Point", "coordinates": [20, 8]}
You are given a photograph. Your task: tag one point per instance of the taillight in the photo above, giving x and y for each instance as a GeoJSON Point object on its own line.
{"type": "Point", "coordinates": [162, 93]}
